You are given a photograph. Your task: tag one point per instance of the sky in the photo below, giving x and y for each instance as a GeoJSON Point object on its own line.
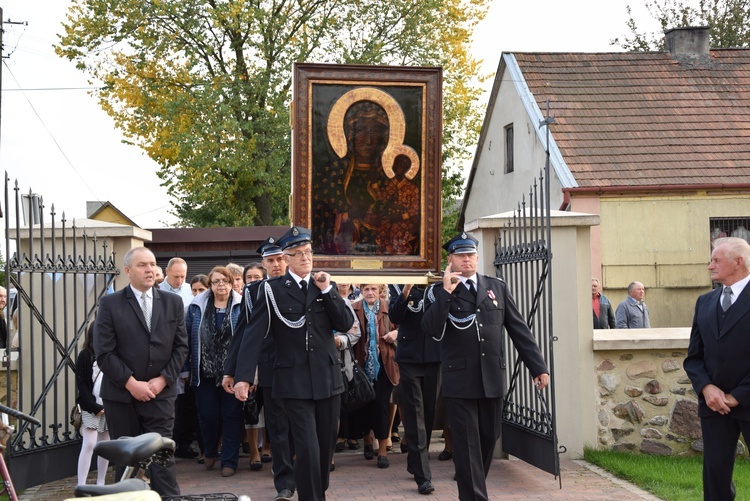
{"type": "Point", "coordinates": [57, 142]}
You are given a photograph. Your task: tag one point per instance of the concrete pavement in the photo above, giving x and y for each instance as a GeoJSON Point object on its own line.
{"type": "Point", "coordinates": [356, 478]}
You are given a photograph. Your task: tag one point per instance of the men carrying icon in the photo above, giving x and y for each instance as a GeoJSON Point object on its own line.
{"type": "Point", "coordinates": [301, 316]}
{"type": "Point", "coordinates": [467, 313]}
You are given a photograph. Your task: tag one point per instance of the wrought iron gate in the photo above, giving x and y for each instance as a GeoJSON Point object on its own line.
{"type": "Point", "coordinates": [523, 258]}
{"type": "Point", "coordinates": [58, 273]}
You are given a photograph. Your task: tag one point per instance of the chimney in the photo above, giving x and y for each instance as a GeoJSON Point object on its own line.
{"type": "Point", "coordinates": [690, 41]}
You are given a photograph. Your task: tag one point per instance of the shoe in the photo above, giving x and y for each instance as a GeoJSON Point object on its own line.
{"type": "Point", "coordinates": [266, 458]}
{"type": "Point", "coordinates": [285, 495]}
{"type": "Point", "coordinates": [333, 466]}
{"type": "Point", "coordinates": [383, 462]}
{"type": "Point", "coordinates": [245, 447]}
{"type": "Point", "coordinates": [395, 438]}
{"type": "Point", "coordinates": [201, 460]}
{"type": "Point", "coordinates": [353, 446]}
{"type": "Point", "coordinates": [369, 452]}
{"type": "Point", "coordinates": [185, 453]}
{"type": "Point", "coordinates": [256, 465]}
{"type": "Point", "coordinates": [404, 448]}
{"type": "Point", "coordinates": [227, 471]}
{"type": "Point", "coordinates": [426, 487]}
{"type": "Point", "coordinates": [389, 448]}
{"type": "Point", "coordinates": [445, 456]}
{"type": "Point", "coordinates": [210, 462]}
{"type": "Point", "coordinates": [340, 446]}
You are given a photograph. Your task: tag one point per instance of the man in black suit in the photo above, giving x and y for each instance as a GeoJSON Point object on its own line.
{"type": "Point", "coordinates": [467, 312]}
{"type": "Point", "coordinates": [301, 317]}
{"type": "Point", "coordinates": [718, 364]}
{"type": "Point", "coordinates": [141, 344]}
{"type": "Point", "coordinates": [418, 358]}
{"type": "Point", "coordinates": [277, 422]}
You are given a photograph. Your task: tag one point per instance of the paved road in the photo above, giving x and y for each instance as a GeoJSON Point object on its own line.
{"type": "Point", "coordinates": [358, 479]}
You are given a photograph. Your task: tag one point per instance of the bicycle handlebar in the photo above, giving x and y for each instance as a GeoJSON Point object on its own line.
{"type": "Point", "coordinates": [20, 415]}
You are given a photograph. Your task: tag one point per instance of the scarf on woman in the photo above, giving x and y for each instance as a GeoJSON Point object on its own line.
{"type": "Point", "coordinates": [372, 365]}
{"type": "Point", "coordinates": [215, 342]}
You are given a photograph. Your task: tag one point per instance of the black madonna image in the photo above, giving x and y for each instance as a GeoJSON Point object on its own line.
{"type": "Point", "coordinates": [367, 182]}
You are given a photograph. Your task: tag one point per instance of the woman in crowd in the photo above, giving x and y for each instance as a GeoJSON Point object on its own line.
{"type": "Point", "coordinates": [210, 323]}
{"type": "Point", "coordinates": [94, 427]}
{"type": "Point", "coordinates": [199, 284]}
{"type": "Point", "coordinates": [376, 352]}
{"type": "Point", "coordinates": [238, 277]}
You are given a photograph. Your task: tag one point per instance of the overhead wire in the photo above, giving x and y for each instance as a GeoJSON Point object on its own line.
{"type": "Point", "coordinates": [49, 132]}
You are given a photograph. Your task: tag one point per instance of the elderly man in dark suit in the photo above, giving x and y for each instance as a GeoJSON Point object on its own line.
{"type": "Point", "coordinates": [467, 312]}
{"type": "Point", "coordinates": [141, 344]}
{"type": "Point", "coordinates": [718, 364]}
{"type": "Point", "coordinates": [301, 317]}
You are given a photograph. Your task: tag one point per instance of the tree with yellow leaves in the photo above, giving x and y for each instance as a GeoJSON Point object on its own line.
{"type": "Point", "coordinates": [204, 86]}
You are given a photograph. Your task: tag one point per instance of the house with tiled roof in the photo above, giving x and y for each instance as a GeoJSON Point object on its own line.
{"type": "Point", "coordinates": [656, 143]}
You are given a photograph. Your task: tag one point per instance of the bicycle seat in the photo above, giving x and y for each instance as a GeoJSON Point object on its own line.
{"type": "Point", "coordinates": [128, 451]}
{"type": "Point", "coordinates": [129, 485]}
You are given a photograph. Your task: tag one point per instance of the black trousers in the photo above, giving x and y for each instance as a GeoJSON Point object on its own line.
{"type": "Point", "coordinates": [376, 415]}
{"type": "Point", "coordinates": [720, 436]}
{"type": "Point", "coordinates": [186, 428]}
{"type": "Point", "coordinates": [277, 426]}
{"type": "Point", "coordinates": [475, 427]}
{"type": "Point", "coordinates": [419, 387]}
{"type": "Point", "coordinates": [313, 424]}
{"type": "Point", "coordinates": [133, 419]}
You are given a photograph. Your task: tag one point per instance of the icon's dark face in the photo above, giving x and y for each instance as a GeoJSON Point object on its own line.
{"type": "Point", "coordinates": [369, 139]}
{"type": "Point", "coordinates": [401, 166]}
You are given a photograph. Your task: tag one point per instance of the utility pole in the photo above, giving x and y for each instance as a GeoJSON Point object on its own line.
{"type": "Point", "coordinates": [2, 58]}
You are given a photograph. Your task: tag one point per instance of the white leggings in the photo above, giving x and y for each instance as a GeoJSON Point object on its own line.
{"type": "Point", "coordinates": [90, 438]}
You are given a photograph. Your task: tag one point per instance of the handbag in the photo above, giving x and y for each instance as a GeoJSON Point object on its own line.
{"type": "Point", "coordinates": [76, 418]}
{"type": "Point", "coordinates": [358, 391]}
{"type": "Point", "coordinates": [250, 410]}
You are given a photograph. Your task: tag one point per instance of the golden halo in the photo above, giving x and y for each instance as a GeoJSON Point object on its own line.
{"type": "Point", "coordinates": [389, 155]}
{"type": "Point", "coordinates": [396, 123]}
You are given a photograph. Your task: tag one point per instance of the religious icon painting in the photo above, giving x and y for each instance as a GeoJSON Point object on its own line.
{"type": "Point", "coordinates": [366, 166]}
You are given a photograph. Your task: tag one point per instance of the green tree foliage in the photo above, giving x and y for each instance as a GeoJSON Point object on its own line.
{"type": "Point", "coordinates": [729, 22]}
{"type": "Point", "coordinates": [204, 86]}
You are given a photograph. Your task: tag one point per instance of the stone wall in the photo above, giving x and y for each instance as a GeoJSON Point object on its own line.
{"type": "Point", "coordinates": [644, 398]}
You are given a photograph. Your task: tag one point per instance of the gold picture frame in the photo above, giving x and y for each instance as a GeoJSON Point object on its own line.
{"type": "Point", "coordinates": [366, 167]}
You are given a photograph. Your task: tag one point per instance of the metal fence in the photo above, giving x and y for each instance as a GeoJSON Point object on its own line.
{"type": "Point", "coordinates": [56, 272]}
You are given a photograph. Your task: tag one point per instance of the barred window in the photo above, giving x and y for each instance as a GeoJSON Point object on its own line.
{"type": "Point", "coordinates": [730, 227]}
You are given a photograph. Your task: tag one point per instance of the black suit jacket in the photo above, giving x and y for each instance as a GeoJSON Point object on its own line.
{"type": "Point", "coordinates": [249, 294]}
{"type": "Point", "coordinates": [124, 347]}
{"type": "Point", "coordinates": [472, 358]}
{"type": "Point", "coordinates": [307, 362]}
{"type": "Point", "coordinates": [414, 345]}
{"type": "Point", "coordinates": [721, 357]}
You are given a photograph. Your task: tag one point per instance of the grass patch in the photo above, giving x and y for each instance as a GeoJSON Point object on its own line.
{"type": "Point", "coordinates": [670, 478]}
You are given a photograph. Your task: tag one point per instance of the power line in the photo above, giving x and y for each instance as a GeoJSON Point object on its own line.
{"type": "Point", "coordinates": [51, 135]}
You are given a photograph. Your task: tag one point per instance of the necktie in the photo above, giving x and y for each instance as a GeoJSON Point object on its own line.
{"type": "Point", "coordinates": [303, 286]}
{"type": "Point", "coordinates": [146, 310]}
{"type": "Point", "coordinates": [472, 289]}
{"type": "Point", "coordinates": [726, 298]}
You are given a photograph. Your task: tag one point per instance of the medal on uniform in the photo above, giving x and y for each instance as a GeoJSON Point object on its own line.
{"type": "Point", "coordinates": [492, 296]}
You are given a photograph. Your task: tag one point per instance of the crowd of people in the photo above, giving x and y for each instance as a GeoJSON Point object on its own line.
{"type": "Point", "coordinates": [183, 359]}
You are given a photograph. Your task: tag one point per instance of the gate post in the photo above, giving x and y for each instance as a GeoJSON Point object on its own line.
{"type": "Point", "coordinates": [573, 378]}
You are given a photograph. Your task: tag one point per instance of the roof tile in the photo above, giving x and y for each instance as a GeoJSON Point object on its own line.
{"type": "Point", "coordinates": [646, 119]}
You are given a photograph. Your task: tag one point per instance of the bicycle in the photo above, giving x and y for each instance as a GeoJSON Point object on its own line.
{"type": "Point", "coordinates": [137, 454]}
{"type": "Point", "coordinates": [6, 431]}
